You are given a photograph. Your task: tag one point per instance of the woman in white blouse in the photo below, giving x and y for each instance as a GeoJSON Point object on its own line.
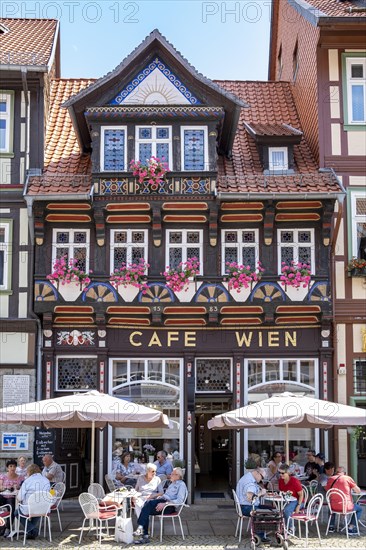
{"type": "Point", "coordinates": [148, 485]}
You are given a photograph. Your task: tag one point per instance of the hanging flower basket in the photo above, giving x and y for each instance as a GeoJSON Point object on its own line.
{"type": "Point", "coordinates": [356, 268]}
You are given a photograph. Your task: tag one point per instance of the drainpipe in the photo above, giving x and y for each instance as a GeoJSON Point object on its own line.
{"type": "Point", "coordinates": [27, 115]}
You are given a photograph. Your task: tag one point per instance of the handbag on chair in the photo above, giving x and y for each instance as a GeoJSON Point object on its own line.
{"type": "Point", "coordinates": [124, 530]}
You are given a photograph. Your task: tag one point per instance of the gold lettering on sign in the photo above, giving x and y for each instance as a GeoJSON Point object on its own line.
{"type": "Point", "coordinates": [172, 337]}
{"type": "Point", "coordinates": [154, 340]}
{"type": "Point", "coordinates": [244, 339]}
{"type": "Point", "coordinates": [290, 339]}
{"type": "Point", "coordinates": [132, 338]}
{"type": "Point", "coordinates": [273, 339]}
{"type": "Point", "coordinates": [190, 339]}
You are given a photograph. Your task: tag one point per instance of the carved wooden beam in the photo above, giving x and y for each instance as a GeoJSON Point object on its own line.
{"type": "Point", "coordinates": [268, 224]}
{"type": "Point", "coordinates": [99, 225]}
{"type": "Point", "coordinates": [38, 212]}
{"type": "Point", "coordinates": [156, 227]}
{"type": "Point", "coordinates": [327, 222]}
{"type": "Point", "coordinates": [213, 225]}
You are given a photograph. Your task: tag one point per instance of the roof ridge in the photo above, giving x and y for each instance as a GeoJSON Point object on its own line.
{"type": "Point", "coordinates": [29, 19]}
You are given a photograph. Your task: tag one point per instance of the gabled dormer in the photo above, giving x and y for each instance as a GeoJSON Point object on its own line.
{"type": "Point", "coordinates": [275, 144]}
{"type": "Point", "coordinates": [155, 104]}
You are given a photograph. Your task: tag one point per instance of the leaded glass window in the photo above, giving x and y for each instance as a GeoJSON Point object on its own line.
{"type": "Point", "coordinates": [76, 373]}
{"type": "Point", "coordinates": [128, 246]}
{"type": "Point", "coordinates": [240, 246]}
{"type": "Point", "coordinates": [195, 149]}
{"type": "Point", "coordinates": [72, 244]}
{"type": "Point", "coordinates": [183, 245]}
{"type": "Point", "coordinates": [154, 141]}
{"type": "Point", "coordinates": [296, 245]}
{"type": "Point", "coordinates": [114, 149]}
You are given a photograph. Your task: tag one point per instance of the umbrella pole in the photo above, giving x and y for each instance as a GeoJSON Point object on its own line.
{"type": "Point", "coordinates": [92, 453]}
{"type": "Point", "coordinates": [287, 445]}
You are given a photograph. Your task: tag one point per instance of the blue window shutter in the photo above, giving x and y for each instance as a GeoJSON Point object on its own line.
{"type": "Point", "coordinates": [114, 150]}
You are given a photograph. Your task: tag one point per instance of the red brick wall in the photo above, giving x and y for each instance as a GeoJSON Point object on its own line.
{"type": "Point", "coordinates": [292, 28]}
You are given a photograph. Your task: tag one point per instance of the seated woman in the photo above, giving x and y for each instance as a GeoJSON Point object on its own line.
{"type": "Point", "coordinates": [174, 495]}
{"type": "Point", "coordinates": [9, 482]}
{"type": "Point", "coordinates": [289, 483]}
{"type": "Point", "coordinates": [124, 470]}
{"type": "Point", "coordinates": [273, 465]}
{"type": "Point", "coordinates": [149, 485]}
{"type": "Point", "coordinates": [22, 466]}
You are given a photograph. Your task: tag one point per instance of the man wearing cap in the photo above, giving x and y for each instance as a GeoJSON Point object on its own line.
{"type": "Point", "coordinates": [247, 489]}
{"type": "Point", "coordinates": [320, 459]}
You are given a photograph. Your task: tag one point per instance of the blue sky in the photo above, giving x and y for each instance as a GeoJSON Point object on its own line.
{"type": "Point", "coordinates": [222, 40]}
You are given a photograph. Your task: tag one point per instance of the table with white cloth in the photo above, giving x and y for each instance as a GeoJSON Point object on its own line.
{"type": "Point", "coordinates": [120, 497]}
{"type": "Point", "coordinates": [278, 500]}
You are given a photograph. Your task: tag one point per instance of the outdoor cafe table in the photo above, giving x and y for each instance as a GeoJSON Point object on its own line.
{"type": "Point", "coordinates": [356, 498]}
{"type": "Point", "coordinates": [120, 497]}
{"type": "Point", "coordinates": [278, 500]}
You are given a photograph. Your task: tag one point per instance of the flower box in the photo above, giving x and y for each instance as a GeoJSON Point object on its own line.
{"type": "Point", "coordinates": [180, 279]}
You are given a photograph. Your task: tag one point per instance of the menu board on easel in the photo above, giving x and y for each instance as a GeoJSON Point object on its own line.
{"type": "Point", "coordinates": [44, 443]}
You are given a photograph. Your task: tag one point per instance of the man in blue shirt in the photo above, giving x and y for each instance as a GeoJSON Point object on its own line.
{"type": "Point", "coordinates": [247, 490]}
{"type": "Point", "coordinates": [163, 465]}
{"type": "Point", "coordinates": [175, 495]}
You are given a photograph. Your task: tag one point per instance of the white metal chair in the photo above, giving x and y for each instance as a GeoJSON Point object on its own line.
{"type": "Point", "coordinates": [306, 495]}
{"type": "Point", "coordinates": [59, 489]}
{"type": "Point", "coordinates": [38, 505]}
{"type": "Point", "coordinates": [241, 517]}
{"type": "Point", "coordinates": [97, 490]}
{"type": "Point", "coordinates": [110, 483]}
{"type": "Point", "coordinates": [90, 507]}
{"type": "Point", "coordinates": [313, 487]}
{"type": "Point", "coordinates": [5, 514]}
{"type": "Point", "coordinates": [337, 497]}
{"type": "Point", "coordinates": [175, 514]}
{"type": "Point", "coordinates": [310, 515]}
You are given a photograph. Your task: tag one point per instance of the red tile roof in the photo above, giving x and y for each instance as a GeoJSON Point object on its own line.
{"type": "Point", "coordinates": [337, 8]}
{"type": "Point", "coordinates": [262, 129]}
{"type": "Point", "coordinates": [63, 157]}
{"type": "Point", "coordinates": [27, 41]}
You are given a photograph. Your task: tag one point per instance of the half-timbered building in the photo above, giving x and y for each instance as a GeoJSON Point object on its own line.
{"type": "Point", "coordinates": [243, 185]}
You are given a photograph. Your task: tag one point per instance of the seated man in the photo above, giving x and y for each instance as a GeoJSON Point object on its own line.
{"type": "Point", "coordinates": [345, 484]}
{"type": "Point", "coordinates": [247, 489]}
{"type": "Point", "coordinates": [163, 465]}
{"type": "Point", "coordinates": [34, 483]}
{"type": "Point", "coordinates": [174, 495]}
{"type": "Point", "coordinates": [323, 478]}
{"type": "Point", "coordinates": [52, 471]}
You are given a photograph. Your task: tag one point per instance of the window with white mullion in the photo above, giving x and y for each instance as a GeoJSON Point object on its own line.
{"type": "Point", "coordinates": [358, 221]}
{"type": "Point", "coordinates": [128, 246]}
{"type": "Point", "coordinates": [240, 246]}
{"type": "Point", "coordinates": [277, 158]}
{"type": "Point", "coordinates": [72, 243]}
{"type": "Point", "coordinates": [356, 89]}
{"type": "Point", "coordinates": [154, 141]}
{"type": "Point", "coordinates": [296, 245]}
{"type": "Point", "coordinates": [5, 255]}
{"type": "Point", "coordinates": [183, 245]}
{"type": "Point", "coordinates": [5, 122]}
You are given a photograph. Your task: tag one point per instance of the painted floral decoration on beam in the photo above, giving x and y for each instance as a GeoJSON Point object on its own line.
{"type": "Point", "coordinates": [152, 172]}
{"type": "Point", "coordinates": [67, 271]}
{"type": "Point", "coordinates": [296, 274]}
{"type": "Point", "coordinates": [131, 274]}
{"type": "Point", "coordinates": [178, 278]}
{"type": "Point", "coordinates": [242, 276]}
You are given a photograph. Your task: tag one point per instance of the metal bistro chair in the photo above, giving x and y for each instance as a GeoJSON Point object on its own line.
{"type": "Point", "coordinates": [176, 514]}
{"type": "Point", "coordinates": [241, 517]}
{"type": "Point", "coordinates": [310, 515]}
{"type": "Point", "coordinates": [90, 507]}
{"type": "Point", "coordinates": [306, 495]}
{"type": "Point", "coordinates": [313, 487]}
{"type": "Point", "coordinates": [110, 483]}
{"type": "Point", "coordinates": [59, 489]}
{"type": "Point", "coordinates": [339, 496]}
{"type": "Point", "coordinates": [97, 490]}
{"type": "Point", "coordinates": [5, 514]}
{"type": "Point", "coordinates": [38, 505]}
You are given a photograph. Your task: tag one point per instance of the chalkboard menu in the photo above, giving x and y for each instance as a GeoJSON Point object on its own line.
{"type": "Point", "coordinates": [44, 443]}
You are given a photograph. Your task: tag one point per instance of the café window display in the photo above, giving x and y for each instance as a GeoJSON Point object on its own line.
{"type": "Point", "coordinates": [267, 377]}
{"type": "Point", "coordinates": [154, 383]}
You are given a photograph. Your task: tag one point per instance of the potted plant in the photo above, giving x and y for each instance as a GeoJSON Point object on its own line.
{"type": "Point", "coordinates": [149, 450]}
{"type": "Point", "coordinates": [151, 172]}
{"type": "Point", "coordinates": [295, 274]}
{"type": "Point", "coordinates": [66, 272]}
{"type": "Point", "coordinates": [133, 274]}
{"type": "Point", "coordinates": [250, 464]}
{"type": "Point", "coordinates": [177, 463]}
{"type": "Point", "coordinates": [242, 276]}
{"type": "Point", "coordinates": [179, 279]}
{"type": "Point", "coordinates": [356, 267]}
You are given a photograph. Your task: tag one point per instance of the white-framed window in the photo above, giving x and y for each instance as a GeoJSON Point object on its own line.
{"type": "Point", "coordinates": [296, 245]}
{"type": "Point", "coordinates": [240, 246]}
{"type": "Point", "coordinates": [5, 254]}
{"type": "Point", "coordinates": [128, 246]}
{"type": "Point", "coordinates": [113, 149]}
{"type": "Point", "coordinates": [358, 221]}
{"type": "Point", "coordinates": [194, 141]}
{"type": "Point", "coordinates": [214, 375]}
{"type": "Point", "coordinates": [6, 121]}
{"type": "Point", "coordinates": [183, 244]}
{"type": "Point", "coordinates": [154, 141]}
{"type": "Point", "coordinates": [277, 158]}
{"type": "Point", "coordinates": [355, 89]}
{"type": "Point", "coordinates": [76, 372]}
{"type": "Point", "coordinates": [72, 243]}
{"type": "Point", "coordinates": [359, 376]}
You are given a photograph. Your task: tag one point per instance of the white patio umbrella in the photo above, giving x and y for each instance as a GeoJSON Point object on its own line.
{"type": "Point", "coordinates": [84, 410]}
{"type": "Point", "coordinates": [287, 409]}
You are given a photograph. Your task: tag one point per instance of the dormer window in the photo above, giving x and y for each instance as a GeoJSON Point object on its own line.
{"type": "Point", "coordinates": [154, 141]}
{"type": "Point", "coordinates": [277, 158]}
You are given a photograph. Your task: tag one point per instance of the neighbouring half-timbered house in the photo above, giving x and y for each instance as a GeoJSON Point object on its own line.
{"type": "Point", "coordinates": [242, 186]}
{"type": "Point", "coordinates": [324, 56]}
{"type": "Point", "coordinates": [29, 58]}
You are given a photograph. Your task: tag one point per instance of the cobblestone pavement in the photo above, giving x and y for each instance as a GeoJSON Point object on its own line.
{"type": "Point", "coordinates": [207, 525]}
